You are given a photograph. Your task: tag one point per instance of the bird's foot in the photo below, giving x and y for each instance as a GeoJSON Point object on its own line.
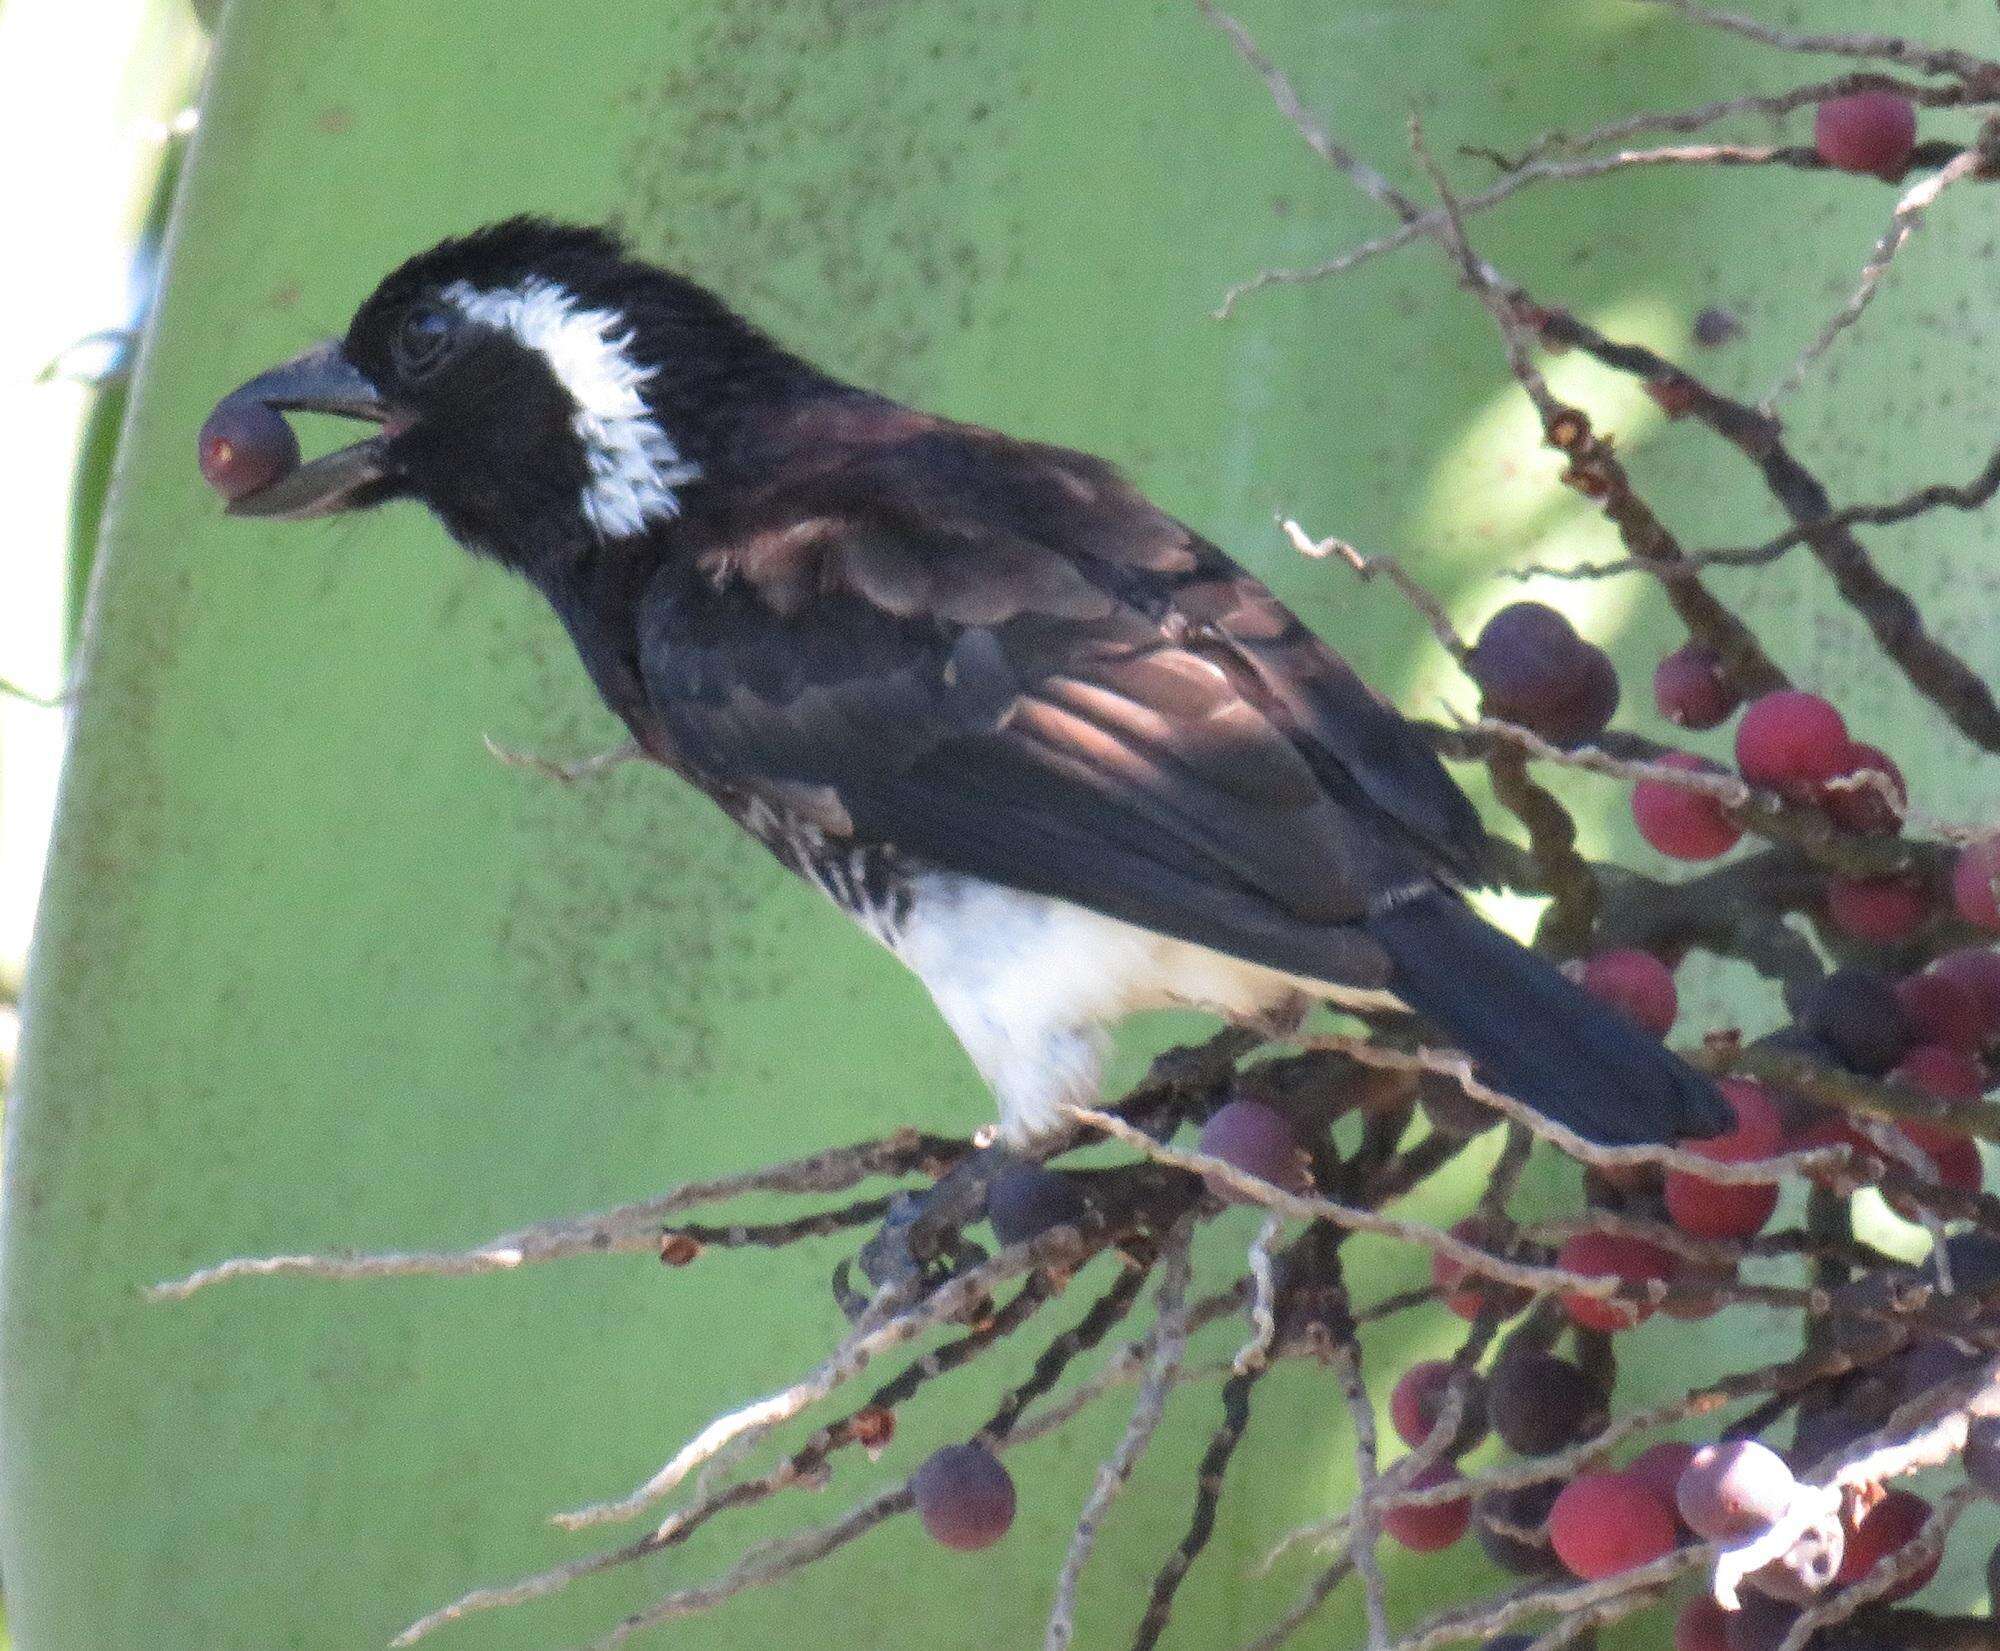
{"type": "Point", "coordinates": [921, 1234]}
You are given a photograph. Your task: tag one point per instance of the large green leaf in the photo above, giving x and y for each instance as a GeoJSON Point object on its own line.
{"type": "Point", "coordinates": [315, 971]}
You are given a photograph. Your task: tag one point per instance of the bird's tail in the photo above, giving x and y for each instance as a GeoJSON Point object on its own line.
{"type": "Point", "coordinates": [1534, 1035]}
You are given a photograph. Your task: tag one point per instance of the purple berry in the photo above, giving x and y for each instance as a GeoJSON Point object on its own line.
{"type": "Point", "coordinates": [1690, 690]}
{"type": "Point", "coordinates": [1258, 1140]}
{"type": "Point", "coordinates": [1025, 1202]}
{"type": "Point", "coordinates": [964, 1496]}
{"type": "Point", "coordinates": [245, 445]}
{"type": "Point", "coordinates": [1533, 669]}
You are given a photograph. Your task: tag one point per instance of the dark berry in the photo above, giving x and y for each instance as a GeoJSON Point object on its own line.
{"type": "Point", "coordinates": [1685, 824]}
{"type": "Point", "coordinates": [1975, 1260]}
{"type": "Point", "coordinates": [1258, 1140]}
{"type": "Point", "coordinates": [1932, 1360]}
{"type": "Point", "coordinates": [1533, 669]}
{"type": "Point", "coordinates": [1590, 705]}
{"type": "Point", "coordinates": [1690, 691]}
{"type": "Point", "coordinates": [1027, 1201]}
{"type": "Point", "coordinates": [1511, 1527]}
{"type": "Point", "coordinates": [1541, 1404]}
{"type": "Point", "coordinates": [964, 1496]}
{"type": "Point", "coordinates": [1604, 1523]}
{"type": "Point", "coordinates": [1612, 1255]}
{"type": "Point", "coordinates": [1885, 1528]}
{"type": "Point", "coordinates": [1762, 1624]}
{"type": "Point", "coordinates": [1733, 1490]}
{"type": "Point", "coordinates": [1975, 883]}
{"type": "Point", "coordinates": [1715, 326]}
{"type": "Point", "coordinates": [1418, 1400]}
{"type": "Point", "coordinates": [245, 445]}
{"type": "Point", "coordinates": [1872, 132]}
{"type": "Point", "coordinates": [1792, 742]}
{"type": "Point", "coordinates": [1857, 1014]}
{"type": "Point", "coordinates": [1635, 983]}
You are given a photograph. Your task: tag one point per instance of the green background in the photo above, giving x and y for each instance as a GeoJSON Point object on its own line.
{"type": "Point", "coordinates": [315, 971]}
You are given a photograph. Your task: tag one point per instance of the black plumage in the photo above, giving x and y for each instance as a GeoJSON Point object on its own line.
{"type": "Point", "coordinates": [914, 655]}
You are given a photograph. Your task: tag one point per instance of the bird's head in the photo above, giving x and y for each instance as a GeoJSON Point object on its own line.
{"type": "Point", "coordinates": [537, 387]}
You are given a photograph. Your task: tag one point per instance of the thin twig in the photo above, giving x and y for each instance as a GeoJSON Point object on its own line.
{"type": "Point", "coordinates": [1368, 567]}
{"type": "Point", "coordinates": [1903, 222]}
{"type": "Point", "coordinates": [890, 1326]}
{"type": "Point", "coordinates": [1910, 54]}
{"type": "Point", "coordinates": [627, 1228]}
{"type": "Point", "coordinates": [1169, 1348]}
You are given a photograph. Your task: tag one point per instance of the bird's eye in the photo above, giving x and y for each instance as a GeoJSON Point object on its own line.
{"type": "Point", "coordinates": [423, 340]}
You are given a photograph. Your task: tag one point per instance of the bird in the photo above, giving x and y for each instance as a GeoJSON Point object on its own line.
{"type": "Point", "coordinates": [1056, 751]}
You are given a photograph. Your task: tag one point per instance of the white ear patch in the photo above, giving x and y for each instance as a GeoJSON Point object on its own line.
{"type": "Point", "coordinates": [634, 465]}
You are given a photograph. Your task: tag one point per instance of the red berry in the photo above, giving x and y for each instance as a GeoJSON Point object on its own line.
{"type": "Point", "coordinates": [1975, 883]}
{"type": "Point", "coordinates": [1604, 1523]}
{"type": "Point", "coordinates": [1944, 1010]}
{"type": "Point", "coordinates": [1882, 909]}
{"type": "Point", "coordinates": [1716, 1209]}
{"type": "Point", "coordinates": [1702, 1626]}
{"type": "Point", "coordinates": [1637, 984]}
{"type": "Point", "coordinates": [1612, 1255]}
{"type": "Point", "coordinates": [1866, 132]}
{"type": "Point", "coordinates": [1690, 690]}
{"type": "Point", "coordinates": [964, 1496]}
{"type": "Point", "coordinates": [1466, 1292]}
{"type": "Point", "coordinates": [1792, 742]}
{"type": "Point", "coordinates": [1659, 1468]}
{"type": "Point", "coordinates": [1862, 808]}
{"type": "Point", "coordinates": [1977, 969]}
{"type": "Point", "coordinates": [1688, 825]}
{"type": "Point", "coordinates": [1956, 1160]}
{"type": "Point", "coordinates": [1418, 1401]}
{"type": "Point", "coordinates": [1942, 1072]}
{"type": "Point", "coordinates": [1426, 1529]}
{"type": "Point", "coordinates": [245, 445]}
{"type": "Point", "coordinates": [1886, 1527]}
{"type": "Point", "coordinates": [1258, 1140]}
{"type": "Point", "coordinates": [1733, 1490]}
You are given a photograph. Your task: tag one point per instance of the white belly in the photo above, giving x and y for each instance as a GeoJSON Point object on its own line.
{"type": "Point", "coordinates": [1029, 984]}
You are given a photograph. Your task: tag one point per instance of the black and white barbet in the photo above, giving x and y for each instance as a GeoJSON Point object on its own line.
{"type": "Point", "coordinates": [1057, 752]}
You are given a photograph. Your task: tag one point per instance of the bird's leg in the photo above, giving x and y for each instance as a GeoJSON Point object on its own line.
{"type": "Point", "coordinates": [923, 1229]}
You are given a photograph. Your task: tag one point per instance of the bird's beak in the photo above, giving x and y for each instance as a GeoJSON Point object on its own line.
{"type": "Point", "coordinates": [322, 380]}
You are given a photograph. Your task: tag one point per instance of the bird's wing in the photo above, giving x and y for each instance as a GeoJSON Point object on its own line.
{"type": "Point", "coordinates": [1035, 678]}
